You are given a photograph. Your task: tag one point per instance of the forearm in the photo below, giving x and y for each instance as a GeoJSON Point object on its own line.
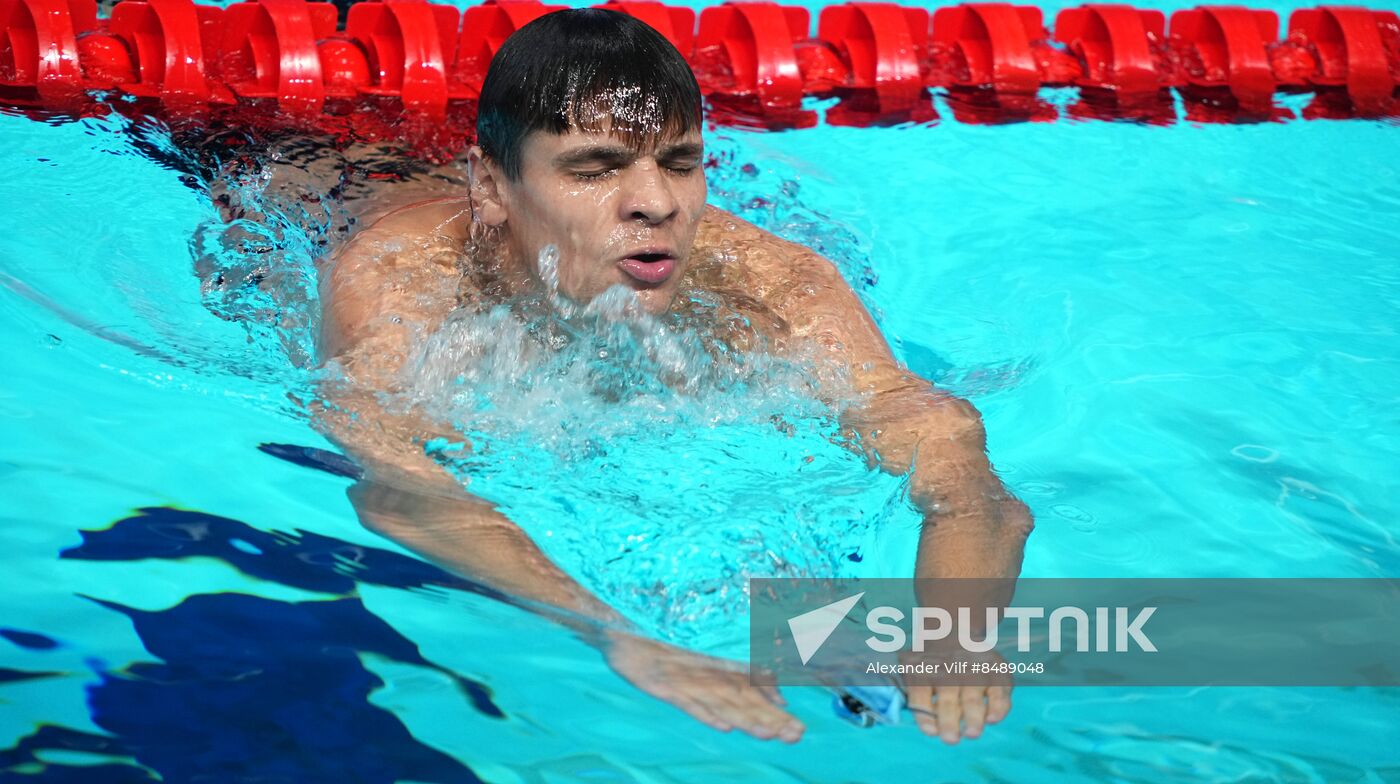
{"type": "Point", "coordinates": [408, 497]}
{"type": "Point", "coordinates": [973, 527]}
{"type": "Point", "coordinates": [982, 533]}
{"type": "Point", "coordinates": [470, 537]}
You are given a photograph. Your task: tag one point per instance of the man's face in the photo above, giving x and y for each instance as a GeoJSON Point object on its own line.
{"type": "Point", "coordinates": [618, 216]}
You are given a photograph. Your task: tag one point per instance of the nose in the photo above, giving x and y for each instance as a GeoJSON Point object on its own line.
{"type": "Point", "coordinates": [648, 196]}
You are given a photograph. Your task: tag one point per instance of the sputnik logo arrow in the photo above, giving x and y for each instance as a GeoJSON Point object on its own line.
{"type": "Point", "coordinates": [811, 629]}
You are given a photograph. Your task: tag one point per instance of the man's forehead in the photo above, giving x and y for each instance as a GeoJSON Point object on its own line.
{"type": "Point", "coordinates": [577, 140]}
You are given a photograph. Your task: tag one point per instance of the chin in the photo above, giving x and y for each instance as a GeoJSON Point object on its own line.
{"type": "Point", "coordinates": [655, 301]}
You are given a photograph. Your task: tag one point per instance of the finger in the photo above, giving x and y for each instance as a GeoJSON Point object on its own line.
{"type": "Point", "coordinates": [792, 731]}
{"type": "Point", "coordinates": [704, 714]}
{"type": "Point", "coordinates": [766, 726]}
{"type": "Point", "coordinates": [772, 693]}
{"type": "Point", "coordinates": [756, 711]}
{"type": "Point", "coordinates": [948, 708]}
{"type": "Point", "coordinates": [974, 705]}
{"type": "Point", "coordinates": [921, 704]}
{"type": "Point", "coordinates": [998, 703]}
{"type": "Point", "coordinates": [748, 710]}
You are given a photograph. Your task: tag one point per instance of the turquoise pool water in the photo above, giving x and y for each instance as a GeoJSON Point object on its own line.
{"type": "Point", "coordinates": [1182, 339]}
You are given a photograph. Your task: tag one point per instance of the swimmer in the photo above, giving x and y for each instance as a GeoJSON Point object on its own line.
{"type": "Point", "coordinates": [589, 148]}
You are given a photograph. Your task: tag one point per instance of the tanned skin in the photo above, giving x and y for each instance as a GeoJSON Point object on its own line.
{"type": "Point", "coordinates": [597, 201]}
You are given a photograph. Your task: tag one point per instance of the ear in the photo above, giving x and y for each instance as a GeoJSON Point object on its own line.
{"type": "Point", "coordinates": [487, 191]}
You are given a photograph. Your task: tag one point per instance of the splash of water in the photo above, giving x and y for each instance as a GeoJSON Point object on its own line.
{"type": "Point", "coordinates": [282, 204]}
{"type": "Point", "coordinates": [646, 455]}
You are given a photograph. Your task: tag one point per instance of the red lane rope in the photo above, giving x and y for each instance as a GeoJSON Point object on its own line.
{"type": "Point", "coordinates": [755, 60]}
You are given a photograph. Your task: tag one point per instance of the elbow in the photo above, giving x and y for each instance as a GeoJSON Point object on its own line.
{"type": "Point", "coordinates": [381, 510]}
{"type": "Point", "coordinates": [410, 507]}
{"type": "Point", "coordinates": [1003, 516]}
{"type": "Point", "coordinates": [1011, 513]}
{"type": "Point", "coordinates": [1016, 519]}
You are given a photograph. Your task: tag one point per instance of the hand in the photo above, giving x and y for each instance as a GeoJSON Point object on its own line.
{"type": "Point", "coordinates": [963, 706]}
{"type": "Point", "coordinates": [711, 690]}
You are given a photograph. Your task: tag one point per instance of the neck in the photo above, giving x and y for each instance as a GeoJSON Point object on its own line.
{"type": "Point", "coordinates": [496, 269]}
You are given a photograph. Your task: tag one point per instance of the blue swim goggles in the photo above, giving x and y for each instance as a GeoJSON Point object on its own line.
{"type": "Point", "coordinates": [866, 706]}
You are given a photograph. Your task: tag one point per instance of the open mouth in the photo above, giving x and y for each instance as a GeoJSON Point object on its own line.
{"type": "Point", "coordinates": [648, 267]}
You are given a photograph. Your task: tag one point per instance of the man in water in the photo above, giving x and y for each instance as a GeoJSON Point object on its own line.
{"type": "Point", "coordinates": [589, 145]}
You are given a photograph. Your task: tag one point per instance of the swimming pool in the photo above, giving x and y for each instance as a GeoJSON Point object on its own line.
{"type": "Point", "coordinates": [1182, 340]}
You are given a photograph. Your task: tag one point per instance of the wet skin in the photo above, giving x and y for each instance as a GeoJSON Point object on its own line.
{"type": "Point", "coordinates": [599, 203]}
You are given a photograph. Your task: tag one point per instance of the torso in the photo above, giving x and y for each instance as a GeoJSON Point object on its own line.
{"type": "Point", "coordinates": [733, 272]}
{"type": "Point", "coordinates": [420, 264]}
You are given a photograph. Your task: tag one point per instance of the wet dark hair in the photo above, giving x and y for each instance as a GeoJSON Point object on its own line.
{"type": "Point", "coordinates": [576, 68]}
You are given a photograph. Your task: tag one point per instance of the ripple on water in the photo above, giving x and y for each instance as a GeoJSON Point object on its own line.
{"type": "Point", "coordinates": [1114, 752]}
{"type": "Point", "coordinates": [1255, 453]}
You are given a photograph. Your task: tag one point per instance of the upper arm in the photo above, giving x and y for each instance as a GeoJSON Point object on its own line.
{"type": "Point", "coordinates": [823, 313]}
{"type": "Point", "coordinates": [823, 310]}
{"type": "Point", "coordinates": [820, 310]}
{"type": "Point", "coordinates": [905, 422]}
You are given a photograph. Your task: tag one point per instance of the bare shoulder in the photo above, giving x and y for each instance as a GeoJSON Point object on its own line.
{"type": "Point", "coordinates": [448, 217]}
{"type": "Point", "coordinates": [776, 271]}
{"type": "Point", "coordinates": [806, 293]}
{"type": "Point", "coordinates": [402, 271]}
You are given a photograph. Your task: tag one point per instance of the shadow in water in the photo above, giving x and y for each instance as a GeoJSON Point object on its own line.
{"type": "Point", "coordinates": [248, 688]}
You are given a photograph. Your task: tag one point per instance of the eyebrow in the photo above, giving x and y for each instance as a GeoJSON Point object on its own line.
{"type": "Point", "coordinates": [681, 150]}
{"type": "Point", "coordinates": [616, 155]}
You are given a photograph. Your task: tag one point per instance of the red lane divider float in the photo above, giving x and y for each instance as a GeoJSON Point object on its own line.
{"type": "Point", "coordinates": [1227, 48]}
{"type": "Point", "coordinates": [756, 60]}
{"type": "Point", "coordinates": [883, 45]}
{"type": "Point", "coordinates": [746, 54]}
{"type": "Point", "coordinates": [409, 47]}
{"type": "Point", "coordinates": [484, 29]}
{"type": "Point", "coordinates": [170, 42]}
{"type": "Point", "coordinates": [40, 45]}
{"type": "Point", "coordinates": [270, 51]}
{"type": "Point", "coordinates": [1356, 49]}
{"type": "Point", "coordinates": [1119, 47]}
